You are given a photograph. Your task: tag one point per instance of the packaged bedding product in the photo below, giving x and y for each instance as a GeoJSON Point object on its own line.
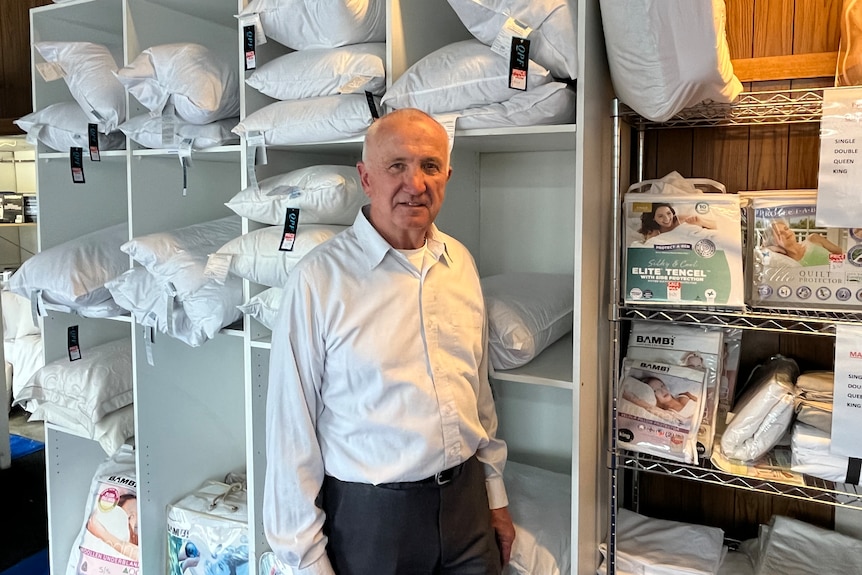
{"type": "Point", "coordinates": [207, 530]}
{"type": "Point", "coordinates": [682, 246]}
{"type": "Point", "coordinates": [689, 346]}
{"type": "Point", "coordinates": [795, 264]}
{"type": "Point", "coordinates": [659, 408]}
{"type": "Point", "coordinates": [764, 412]}
{"type": "Point", "coordinates": [108, 541]}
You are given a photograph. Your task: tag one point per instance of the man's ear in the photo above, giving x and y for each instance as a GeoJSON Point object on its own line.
{"type": "Point", "coordinates": [363, 178]}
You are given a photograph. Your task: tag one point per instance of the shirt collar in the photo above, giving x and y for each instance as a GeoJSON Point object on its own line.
{"type": "Point", "coordinates": [375, 247]}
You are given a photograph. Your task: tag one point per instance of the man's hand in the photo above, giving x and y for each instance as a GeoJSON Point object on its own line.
{"type": "Point", "coordinates": [501, 521]}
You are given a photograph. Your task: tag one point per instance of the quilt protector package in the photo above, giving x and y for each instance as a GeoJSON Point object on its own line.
{"type": "Point", "coordinates": [794, 264]}
{"type": "Point", "coordinates": [683, 249]}
{"type": "Point", "coordinates": [208, 530]}
{"type": "Point", "coordinates": [688, 346]}
{"type": "Point", "coordinates": [659, 408]}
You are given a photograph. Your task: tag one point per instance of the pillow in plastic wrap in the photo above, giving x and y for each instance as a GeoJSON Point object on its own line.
{"type": "Point", "coordinates": [764, 412]}
{"type": "Point", "coordinates": [667, 56]}
{"type": "Point", "coordinates": [552, 103]}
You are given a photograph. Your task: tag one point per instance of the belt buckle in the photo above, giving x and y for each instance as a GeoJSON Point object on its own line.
{"type": "Point", "coordinates": [443, 477]}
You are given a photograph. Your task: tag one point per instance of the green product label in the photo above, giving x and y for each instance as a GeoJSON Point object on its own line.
{"type": "Point", "coordinates": [678, 276]}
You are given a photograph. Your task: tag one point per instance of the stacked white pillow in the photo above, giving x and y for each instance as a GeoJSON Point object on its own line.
{"type": "Point", "coordinates": [89, 71]}
{"type": "Point", "coordinates": [307, 24]}
{"type": "Point", "coordinates": [323, 194]}
{"type": "Point", "coordinates": [149, 131]}
{"type": "Point", "coordinates": [64, 125]}
{"type": "Point", "coordinates": [320, 87]}
{"type": "Point", "coordinates": [71, 276]}
{"type": "Point", "coordinates": [553, 24]}
{"type": "Point", "coordinates": [202, 87]}
{"type": "Point", "coordinates": [469, 79]}
{"type": "Point", "coordinates": [171, 290]}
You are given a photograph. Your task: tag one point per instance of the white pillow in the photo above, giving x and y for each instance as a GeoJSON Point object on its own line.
{"type": "Point", "coordinates": [310, 120]}
{"type": "Point", "coordinates": [324, 194]}
{"type": "Point", "coordinates": [305, 24]}
{"type": "Point", "coordinates": [264, 306]}
{"type": "Point", "coordinates": [527, 312]}
{"type": "Point", "coordinates": [146, 130]}
{"type": "Point", "coordinates": [201, 87]}
{"type": "Point", "coordinates": [540, 503]}
{"type": "Point", "coordinates": [552, 103]}
{"type": "Point", "coordinates": [72, 275]}
{"type": "Point", "coordinates": [89, 73]}
{"type": "Point", "coordinates": [112, 431]}
{"type": "Point", "coordinates": [180, 256]}
{"type": "Point", "coordinates": [87, 389]}
{"type": "Point", "coordinates": [25, 356]}
{"type": "Point", "coordinates": [667, 56]}
{"type": "Point", "coordinates": [192, 319]}
{"type": "Point", "coordinates": [62, 126]}
{"type": "Point", "coordinates": [458, 76]}
{"type": "Point", "coordinates": [323, 72]}
{"type": "Point", "coordinates": [553, 40]}
{"type": "Point", "coordinates": [256, 257]}
{"type": "Point", "coordinates": [17, 316]}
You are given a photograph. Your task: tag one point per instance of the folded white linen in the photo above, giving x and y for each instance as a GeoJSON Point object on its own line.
{"type": "Point", "coordinates": [810, 455]}
{"type": "Point", "coordinates": [793, 547]}
{"type": "Point", "coordinates": [662, 547]}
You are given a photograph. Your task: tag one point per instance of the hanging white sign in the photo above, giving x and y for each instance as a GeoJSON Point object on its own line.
{"type": "Point", "coordinates": [847, 398]}
{"type": "Point", "coordinates": [839, 188]}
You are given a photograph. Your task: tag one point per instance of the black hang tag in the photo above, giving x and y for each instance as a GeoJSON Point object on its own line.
{"type": "Point", "coordinates": [519, 59]}
{"type": "Point", "coordinates": [72, 339]}
{"type": "Point", "coordinates": [288, 237]}
{"type": "Point", "coordinates": [371, 105]}
{"type": "Point", "coordinates": [76, 158]}
{"type": "Point", "coordinates": [249, 46]}
{"type": "Point", "coordinates": [93, 140]}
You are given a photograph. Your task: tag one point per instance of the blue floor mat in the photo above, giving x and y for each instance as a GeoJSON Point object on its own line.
{"type": "Point", "coordinates": [36, 564]}
{"type": "Point", "coordinates": [22, 446]}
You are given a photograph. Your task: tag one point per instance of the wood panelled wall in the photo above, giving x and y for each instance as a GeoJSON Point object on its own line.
{"type": "Point", "coordinates": [15, 90]}
{"type": "Point", "coordinates": [751, 158]}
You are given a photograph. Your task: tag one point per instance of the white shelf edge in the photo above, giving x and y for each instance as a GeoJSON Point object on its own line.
{"type": "Point", "coordinates": [65, 155]}
{"type": "Point", "coordinates": [235, 148]}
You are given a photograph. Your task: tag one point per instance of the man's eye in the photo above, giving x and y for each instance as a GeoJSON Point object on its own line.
{"type": "Point", "coordinates": [432, 168]}
{"type": "Point", "coordinates": [396, 167]}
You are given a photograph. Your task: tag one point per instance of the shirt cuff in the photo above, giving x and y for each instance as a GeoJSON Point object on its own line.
{"type": "Point", "coordinates": [320, 567]}
{"type": "Point", "coordinates": [497, 497]}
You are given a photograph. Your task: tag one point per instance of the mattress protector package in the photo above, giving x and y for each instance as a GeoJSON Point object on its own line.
{"type": "Point", "coordinates": [682, 246]}
{"type": "Point", "coordinates": [207, 530]}
{"type": "Point", "coordinates": [689, 346]}
{"type": "Point", "coordinates": [107, 543]}
{"type": "Point", "coordinates": [659, 408]}
{"type": "Point", "coordinates": [794, 264]}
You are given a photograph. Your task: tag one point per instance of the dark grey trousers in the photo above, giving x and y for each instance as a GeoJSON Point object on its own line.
{"type": "Point", "coordinates": [409, 529]}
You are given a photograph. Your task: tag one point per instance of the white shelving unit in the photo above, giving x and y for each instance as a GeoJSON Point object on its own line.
{"type": "Point", "coordinates": [525, 199]}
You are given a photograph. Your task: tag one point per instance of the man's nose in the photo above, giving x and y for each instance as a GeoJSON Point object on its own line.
{"type": "Point", "coordinates": [415, 180]}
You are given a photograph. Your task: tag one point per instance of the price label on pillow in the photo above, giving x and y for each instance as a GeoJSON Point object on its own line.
{"type": "Point", "coordinates": [93, 141]}
{"type": "Point", "coordinates": [76, 159]}
{"type": "Point", "coordinates": [249, 45]}
{"type": "Point", "coordinates": [288, 236]}
{"type": "Point", "coordinates": [72, 340]}
{"type": "Point", "coordinates": [511, 29]}
{"type": "Point", "coordinates": [518, 63]}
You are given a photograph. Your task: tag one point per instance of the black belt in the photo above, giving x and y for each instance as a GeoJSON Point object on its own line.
{"type": "Point", "coordinates": [438, 479]}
